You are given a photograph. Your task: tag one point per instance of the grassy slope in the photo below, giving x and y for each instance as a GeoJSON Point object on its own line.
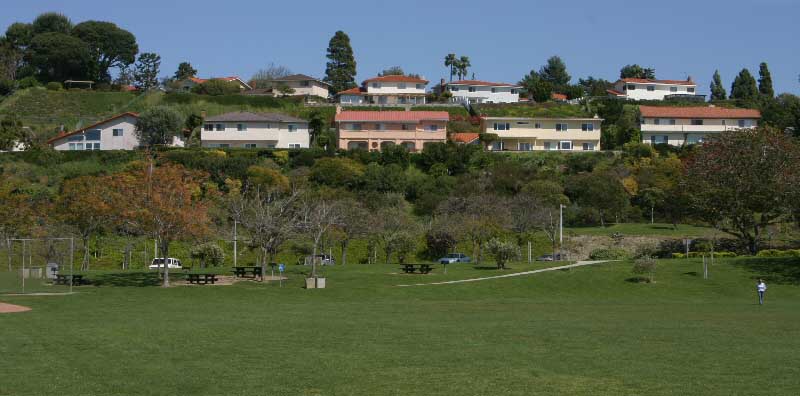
{"type": "Point", "coordinates": [644, 229]}
{"type": "Point", "coordinates": [585, 331]}
{"type": "Point", "coordinates": [546, 110]}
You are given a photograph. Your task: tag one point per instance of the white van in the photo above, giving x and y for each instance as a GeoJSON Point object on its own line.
{"type": "Point", "coordinates": [172, 263]}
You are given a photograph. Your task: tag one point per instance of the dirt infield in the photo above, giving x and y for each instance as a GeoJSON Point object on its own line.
{"type": "Point", "coordinates": [10, 308]}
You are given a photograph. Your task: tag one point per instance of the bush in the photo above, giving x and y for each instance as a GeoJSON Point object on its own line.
{"type": "Point", "coordinates": [502, 251]}
{"type": "Point", "coordinates": [647, 267]}
{"type": "Point", "coordinates": [700, 254]}
{"type": "Point", "coordinates": [216, 88]}
{"type": "Point", "coordinates": [28, 82]}
{"type": "Point", "coordinates": [608, 254]}
{"type": "Point", "coordinates": [208, 253]}
{"type": "Point", "coordinates": [778, 253]}
{"type": "Point", "coordinates": [6, 87]}
{"type": "Point", "coordinates": [54, 86]}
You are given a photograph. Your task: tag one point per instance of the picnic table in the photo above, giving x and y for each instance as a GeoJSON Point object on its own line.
{"type": "Point", "coordinates": [242, 272]}
{"type": "Point", "coordinates": [412, 268]}
{"type": "Point", "coordinates": [64, 279]}
{"type": "Point", "coordinates": [202, 279]}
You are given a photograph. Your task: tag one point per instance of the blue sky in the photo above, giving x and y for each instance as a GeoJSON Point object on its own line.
{"type": "Point", "coordinates": [504, 39]}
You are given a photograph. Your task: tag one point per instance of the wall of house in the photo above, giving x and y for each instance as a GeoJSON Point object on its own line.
{"type": "Point", "coordinates": [394, 88]}
{"type": "Point", "coordinates": [661, 90]}
{"type": "Point", "coordinates": [526, 131]}
{"type": "Point", "coordinates": [263, 133]}
{"type": "Point", "coordinates": [314, 88]}
{"type": "Point", "coordinates": [683, 132]}
{"type": "Point", "coordinates": [373, 134]}
{"type": "Point", "coordinates": [484, 94]}
{"type": "Point", "coordinates": [355, 99]}
{"type": "Point", "coordinates": [128, 140]}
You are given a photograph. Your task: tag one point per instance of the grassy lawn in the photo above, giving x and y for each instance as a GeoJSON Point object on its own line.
{"type": "Point", "coordinates": [584, 331]}
{"type": "Point", "coordinates": [644, 229]}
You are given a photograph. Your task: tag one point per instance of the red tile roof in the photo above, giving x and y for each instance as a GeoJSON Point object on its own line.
{"type": "Point", "coordinates": [389, 116]}
{"type": "Point", "coordinates": [65, 134]}
{"type": "Point", "coordinates": [352, 91]}
{"type": "Point", "coordinates": [202, 80]}
{"type": "Point", "coordinates": [481, 83]}
{"type": "Point", "coordinates": [615, 93]}
{"type": "Point", "coordinates": [649, 81]}
{"type": "Point", "coordinates": [697, 112]}
{"type": "Point", "coordinates": [396, 79]}
{"type": "Point", "coordinates": [558, 96]}
{"type": "Point", "coordinates": [464, 137]}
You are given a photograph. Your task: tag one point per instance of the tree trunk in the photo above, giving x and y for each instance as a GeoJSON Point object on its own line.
{"type": "Point", "coordinates": [165, 255]}
{"type": "Point", "coordinates": [85, 263]}
{"type": "Point", "coordinates": [344, 244]}
{"type": "Point", "coordinates": [652, 215]}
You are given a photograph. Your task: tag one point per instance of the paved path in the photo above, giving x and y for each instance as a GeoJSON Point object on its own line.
{"type": "Point", "coordinates": [578, 264]}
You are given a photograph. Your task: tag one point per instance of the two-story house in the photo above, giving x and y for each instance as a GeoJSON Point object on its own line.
{"type": "Point", "coordinates": [646, 89]}
{"type": "Point", "coordinates": [386, 90]}
{"type": "Point", "coordinates": [475, 91]}
{"type": "Point", "coordinates": [255, 130]}
{"type": "Point", "coordinates": [677, 126]}
{"type": "Point", "coordinates": [115, 133]}
{"type": "Point", "coordinates": [302, 85]}
{"type": "Point", "coordinates": [374, 130]}
{"type": "Point", "coordinates": [532, 134]}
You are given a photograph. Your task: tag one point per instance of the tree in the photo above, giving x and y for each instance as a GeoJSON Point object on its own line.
{"type": "Point", "coordinates": [285, 90]}
{"type": "Point", "coordinates": [392, 71]}
{"type": "Point", "coordinates": [462, 66]}
{"type": "Point", "coordinates": [340, 70]}
{"type": "Point", "coordinates": [450, 62]}
{"type": "Point", "coordinates": [645, 266]}
{"type": "Point", "coordinates": [265, 78]}
{"type": "Point", "coordinates": [336, 172]}
{"type": "Point", "coordinates": [503, 251]}
{"type": "Point", "coordinates": [11, 132]}
{"type": "Point", "coordinates": [636, 71]}
{"type": "Point", "coordinates": [208, 253]}
{"type": "Point", "coordinates": [19, 35]}
{"type": "Point", "coordinates": [185, 71]}
{"type": "Point", "coordinates": [165, 202]}
{"type": "Point", "coordinates": [765, 81]}
{"type": "Point", "coordinates": [744, 86]}
{"type": "Point", "coordinates": [475, 219]}
{"type": "Point", "coordinates": [738, 181]}
{"type": "Point", "coordinates": [145, 74]}
{"type": "Point", "coordinates": [600, 190]}
{"type": "Point", "coordinates": [215, 87]}
{"type": "Point", "coordinates": [555, 72]}
{"type": "Point", "coordinates": [86, 203]}
{"type": "Point", "coordinates": [109, 46]}
{"type": "Point", "coordinates": [319, 217]}
{"type": "Point", "coordinates": [595, 86]}
{"type": "Point", "coordinates": [353, 223]}
{"type": "Point", "coordinates": [51, 22]}
{"type": "Point", "coordinates": [717, 90]}
{"type": "Point", "coordinates": [59, 57]}
{"type": "Point", "coordinates": [538, 89]}
{"type": "Point", "coordinates": [157, 125]}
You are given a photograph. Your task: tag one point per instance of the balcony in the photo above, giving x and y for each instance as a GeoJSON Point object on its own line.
{"type": "Point", "coordinates": [687, 128]}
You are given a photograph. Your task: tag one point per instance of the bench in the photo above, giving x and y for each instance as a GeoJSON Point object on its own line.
{"type": "Point", "coordinates": [241, 272]}
{"type": "Point", "coordinates": [76, 280]}
{"type": "Point", "coordinates": [202, 279]}
{"type": "Point", "coordinates": [421, 268]}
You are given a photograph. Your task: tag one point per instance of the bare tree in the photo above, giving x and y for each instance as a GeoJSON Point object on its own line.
{"type": "Point", "coordinates": [476, 218]}
{"type": "Point", "coordinates": [530, 215]}
{"type": "Point", "coordinates": [264, 77]}
{"type": "Point", "coordinates": [319, 216]}
{"type": "Point", "coordinates": [354, 223]}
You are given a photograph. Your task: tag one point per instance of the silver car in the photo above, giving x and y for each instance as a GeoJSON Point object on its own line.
{"type": "Point", "coordinates": [455, 258]}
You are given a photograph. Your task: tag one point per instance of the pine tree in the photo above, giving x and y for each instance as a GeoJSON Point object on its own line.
{"type": "Point", "coordinates": [717, 90]}
{"type": "Point", "coordinates": [555, 72]}
{"type": "Point", "coordinates": [341, 68]}
{"type": "Point", "coordinates": [185, 70]}
{"type": "Point", "coordinates": [744, 86]}
{"type": "Point", "coordinates": [765, 81]}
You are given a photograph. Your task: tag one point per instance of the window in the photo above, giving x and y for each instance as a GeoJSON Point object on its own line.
{"type": "Point", "coordinates": [92, 146]}
{"type": "Point", "coordinates": [380, 127]}
{"type": "Point", "coordinates": [657, 121]}
{"type": "Point", "coordinates": [561, 127]}
{"type": "Point", "coordinates": [208, 127]}
{"type": "Point", "coordinates": [653, 139]}
{"type": "Point", "coordinates": [588, 146]}
{"type": "Point", "coordinates": [672, 121]}
{"type": "Point", "coordinates": [76, 146]}
{"type": "Point", "coordinates": [220, 127]}
{"type": "Point", "coordinates": [665, 139]}
{"type": "Point", "coordinates": [500, 126]}
{"type": "Point", "coordinates": [75, 138]}
{"type": "Point", "coordinates": [673, 89]}
{"type": "Point", "coordinates": [432, 128]}
{"type": "Point", "coordinates": [525, 147]}
{"type": "Point", "coordinates": [651, 88]}
{"type": "Point", "coordinates": [294, 145]}
{"type": "Point", "coordinates": [697, 122]}
{"type": "Point", "coordinates": [223, 145]}
{"type": "Point", "coordinates": [724, 122]}
{"type": "Point", "coordinates": [690, 89]}
{"type": "Point", "coordinates": [355, 127]}
{"type": "Point", "coordinates": [291, 127]}
{"type": "Point", "coordinates": [453, 89]}
{"type": "Point", "coordinates": [494, 90]}
{"type": "Point", "coordinates": [304, 83]}
{"type": "Point", "coordinates": [250, 145]}
{"type": "Point", "coordinates": [401, 86]}
{"type": "Point", "coordinates": [565, 145]}
{"type": "Point", "coordinates": [547, 146]}
{"type": "Point", "coordinates": [630, 87]}
{"type": "Point", "coordinates": [523, 122]}
{"type": "Point", "coordinates": [588, 127]}
{"type": "Point", "coordinates": [472, 89]}
{"type": "Point", "coordinates": [404, 127]}
{"type": "Point", "coordinates": [498, 146]}
{"type": "Point", "coordinates": [116, 132]}
{"type": "Point", "coordinates": [271, 146]}
{"type": "Point", "coordinates": [537, 125]}
{"type": "Point", "coordinates": [742, 123]}
{"type": "Point", "coordinates": [93, 134]}
{"type": "Point", "coordinates": [513, 91]}
{"type": "Point", "coordinates": [376, 85]}
{"type": "Point", "coordinates": [420, 86]}
{"type": "Point", "coordinates": [401, 100]}
{"type": "Point", "coordinates": [241, 127]}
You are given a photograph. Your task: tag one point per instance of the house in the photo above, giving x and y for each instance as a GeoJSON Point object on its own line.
{"type": "Point", "coordinates": [465, 138]}
{"type": "Point", "coordinates": [647, 89]}
{"type": "Point", "coordinates": [532, 134]}
{"type": "Point", "coordinates": [476, 91]}
{"type": "Point", "coordinates": [374, 130]}
{"type": "Point", "coordinates": [390, 90]}
{"type": "Point", "coordinates": [255, 130]}
{"type": "Point", "coordinates": [115, 133]}
{"type": "Point", "coordinates": [189, 83]}
{"type": "Point", "coordinates": [677, 126]}
{"type": "Point", "coordinates": [302, 85]}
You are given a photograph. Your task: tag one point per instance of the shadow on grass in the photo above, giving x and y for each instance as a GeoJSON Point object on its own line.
{"type": "Point", "coordinates": [130, 279]}
{"type": "Point", "coordinates": [783, 270]}
{"type": "Point", "coordinates": [638, 279]}
{"type": "Point", "coordinates": [691, 273]}
{"type": "Point", "coordinates": [494, 267]}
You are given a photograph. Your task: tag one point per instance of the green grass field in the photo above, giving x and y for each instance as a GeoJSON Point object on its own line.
{"type": "Point", "coordinates": [582, 331]}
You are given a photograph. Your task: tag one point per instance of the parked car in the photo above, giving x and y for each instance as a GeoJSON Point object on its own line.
{"type": "Point", "coordinates": [454, 258]}
{"type": "Point", "coordinates": [323, 259]}
{"type": "Point", "coordinates": [172, 263]}
{"type": "Point", "coordinates": [549, 257]}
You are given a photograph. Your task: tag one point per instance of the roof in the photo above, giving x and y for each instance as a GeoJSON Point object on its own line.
{"type": "Point", "coordinates": [231, 78]}
{"type": "Point", "coordinates": [352, 91]}
{"type": "Point", "coordinates": [253, 117]}
{"type": "Point", "coordinates": [480, 83]}
{"type": "Point", "coordinates": [389, 116]}
{"type": "Point", "coordinates": [558, 96]}
{"type": "Point", "coordinates": [299, 77]}
{"type": "Point", "coordinates": [464, 137]}
{"type": "Point", "coordinates": [651, 81]}
{"type": "Point", "coordinates": [615, 92]}
{"type": "Point", "coordinates": [396, 79]}
{"type": "Point", "coordinates": [93, 126]}
{"type": "Point", "coordinates": [697, 112]}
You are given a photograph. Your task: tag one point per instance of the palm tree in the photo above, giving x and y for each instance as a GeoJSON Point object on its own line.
{"type": "Point", "coordinates": [450, 61]}
{"type": "Point", "coordinates": [463, 66]}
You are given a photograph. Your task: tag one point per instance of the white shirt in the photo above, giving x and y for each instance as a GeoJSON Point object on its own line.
{"type": "Point", "coordinates": [762, 287]}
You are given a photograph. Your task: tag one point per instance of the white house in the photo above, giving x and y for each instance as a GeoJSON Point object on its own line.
{"type": "Point", "coordinates": [255, 130]}
{"type": "Point", "coordinates": [302, 85]}
{"type": "Point", "coordinates": [386, 90]}
{"type": "Point", "coordinates": [646, 89]}
{"type": "Point", "coordinates": [115, 133]}
{"type": "Point", "coordinates": [475, 91]}
{"type": "Point", "coordinates": [189, 83]}
{"type": "Point", "coordinates": [677, 126]}
{"type": "Point", "coordinates": [531, 134]}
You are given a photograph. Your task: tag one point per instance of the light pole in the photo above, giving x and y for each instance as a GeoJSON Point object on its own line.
{"type": "Point", "coordinates": [235, 252]}
{"type": "Point", "coordinates": [560, 231]}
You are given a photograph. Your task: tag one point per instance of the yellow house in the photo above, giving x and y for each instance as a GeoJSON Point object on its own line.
{"type": "Point", "coordinates": [533, 134]}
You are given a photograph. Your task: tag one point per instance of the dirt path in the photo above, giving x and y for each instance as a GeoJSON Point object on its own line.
{"type": "Point", "coordinates": [11, 308]}
{"type": "Point", "coordinates": [578, 264]}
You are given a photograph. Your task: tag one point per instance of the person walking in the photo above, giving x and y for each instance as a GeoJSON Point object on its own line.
{"type": "Point", "coordinates": [761, 287]}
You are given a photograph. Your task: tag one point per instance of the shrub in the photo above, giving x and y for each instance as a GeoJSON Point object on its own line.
{"type": "Point", "coordinates": [502, 251]}
{"type": "Point", "coordinates": [208, 253]}
{"type": "Point", "coordinates": [54, 86]}
{"type": "Point", "coordinates": [645, 266]}
{"type": "Point", "coordinates": [608, 254]}
{"type": "Point", "coordinates": [778, 253]}
{"type": "Point", "coordinates": [721, 253]}
{"type": "Point", "coordinates": [28, 82]}
{"type": "Point", "coordinates": [6, 86]}
{"type": "Point", "coordinates": [216, 88]}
